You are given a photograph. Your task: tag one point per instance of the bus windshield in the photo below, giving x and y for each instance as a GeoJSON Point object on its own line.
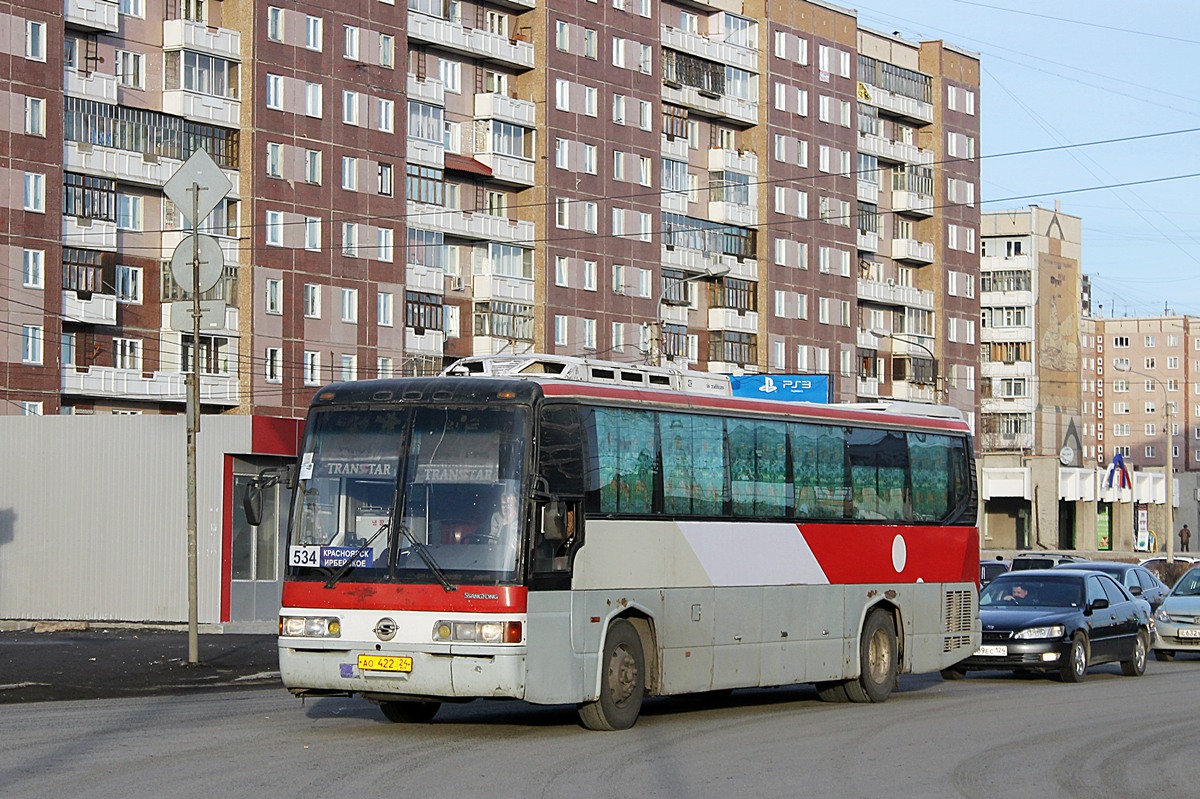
{"type": "Point", "coordinates": [393, 489]}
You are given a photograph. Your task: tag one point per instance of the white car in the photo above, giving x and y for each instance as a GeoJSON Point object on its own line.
{"type": "Point", "coordinates": [1157, 559]}
{"type": "Point", "coordinates": [1178, 618]}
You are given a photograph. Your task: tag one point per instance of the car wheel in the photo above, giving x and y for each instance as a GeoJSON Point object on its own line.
{"type": "Point", "coordinates": [1074, 669]}
{"type": "Point", "coordinates": [1136, 665]}
{"type": "Point", "coordinates": [410, 712]}
{"type": "Point", "coordinates": [954, 673]}
{"type": "Point", "coordinates": [622, 684]}
{"type": "Point", "coordinates": [877, 660]}
{"type": "Point", "coordinates": [1164, 655]}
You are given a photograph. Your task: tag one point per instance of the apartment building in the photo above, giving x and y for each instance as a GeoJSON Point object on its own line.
{"type": "Point", "coordinates": [735, 186]}
{"type": "Point", "coordinates": [1039, 456]}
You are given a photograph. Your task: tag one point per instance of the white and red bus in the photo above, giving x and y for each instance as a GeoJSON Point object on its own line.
{"type": "Point", "coordinates": [557, 540]}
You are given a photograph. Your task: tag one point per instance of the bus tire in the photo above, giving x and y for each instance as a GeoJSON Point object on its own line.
{"type": "Point", "coordinates": [410, 712]}
{"type": "Point", "coordinates": [622, 681]}
{"type": "Point", "coordinates": [832, 691]}
{"type": "Point", "coordinates": [876, 660]}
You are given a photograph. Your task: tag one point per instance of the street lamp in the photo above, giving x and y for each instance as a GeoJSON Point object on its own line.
{"type": "Point", "coordinates": [712, 272]}
{"type": "Point", "coordinates": [880, 332]}
{"type": "Point", "coordinates": [1170, 467]}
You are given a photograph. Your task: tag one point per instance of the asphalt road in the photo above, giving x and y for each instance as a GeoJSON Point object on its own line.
{"type": "Point", "coordinates": [989, 735]}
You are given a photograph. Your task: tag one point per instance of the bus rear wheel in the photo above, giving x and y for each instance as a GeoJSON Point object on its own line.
{"type": "Point", "coordinates": [877, 660]}
{"type": "Point", "coordinates": [622, 681]}
{"type": "Point", "coordinates": [410, 712]}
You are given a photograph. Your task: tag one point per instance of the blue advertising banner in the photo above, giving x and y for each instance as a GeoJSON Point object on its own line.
{"type": "Point", "coordinates": [785, 388]}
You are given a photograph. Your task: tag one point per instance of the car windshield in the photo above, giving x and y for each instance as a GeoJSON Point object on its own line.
{"type": "Point", "coordinates": [1045, 592]}
{"type": "Point", "coordinates": [1188, 585]}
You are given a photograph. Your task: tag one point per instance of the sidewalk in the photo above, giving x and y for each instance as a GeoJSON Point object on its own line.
{"type": "Point", "coordinates": [117, 661]}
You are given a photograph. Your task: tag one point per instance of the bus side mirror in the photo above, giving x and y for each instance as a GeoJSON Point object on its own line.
{"type": "Point", "coordinates": [252, 503]}
{"type": "Point", "coordinates": [554, 521]}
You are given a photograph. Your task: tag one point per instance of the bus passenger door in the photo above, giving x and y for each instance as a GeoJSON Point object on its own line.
{"type": "Point", "coordinates": [554, 671]}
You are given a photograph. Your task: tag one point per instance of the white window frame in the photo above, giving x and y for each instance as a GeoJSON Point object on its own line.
{"type": "Point", "coordinates": [312, 301]}
{"type": "Point", "coordinates": [32, 344]}
{"type": "Point", "coordinates": [349, 306]}
{"type": "Point", "coordinates": [35, 192]}
{"type": "Point", "coordinates": [35, 40]}
{"type": "Point", "coordinates": [273, 296]}
{"type": "Point", "coordinates": [35, 116]}
{"type": "Point", "coordinates": [273, 365]}
{"type": "Point", "coordinates": [273, 228]}
{"type": "Point", "coordinates": [350, 113]}
{"type": "Point", "coordinates": [385, 308]}
{"type": "Point", "coordinates": [33, 269]}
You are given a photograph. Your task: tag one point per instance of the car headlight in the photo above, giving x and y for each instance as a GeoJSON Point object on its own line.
{"type": "Point", "coordinates": [310, 626]}
{"type": "Point", "coordinates": [1161, 614]}
{"type": "Point", "coordinates": [480, 632]}
{"type": "Point", "coordinates": [1050, 631]}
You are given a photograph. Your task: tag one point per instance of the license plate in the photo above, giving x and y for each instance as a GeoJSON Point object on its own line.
{"type": "Point", "coordinates": [1190, 633]}
{"type": "Point", "coordinates": [992, 651]}
{"type": "Point", "coordinates": [394, 663]}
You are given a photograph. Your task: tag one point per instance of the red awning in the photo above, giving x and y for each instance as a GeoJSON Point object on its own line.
{"type": "Point", "coordinates": [462, 163]}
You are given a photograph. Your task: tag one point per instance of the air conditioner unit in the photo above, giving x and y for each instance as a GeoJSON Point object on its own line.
{"type": "Point", "coordinates": [456, 284]}
{"type": "Point", "coordinates": [891, 282]}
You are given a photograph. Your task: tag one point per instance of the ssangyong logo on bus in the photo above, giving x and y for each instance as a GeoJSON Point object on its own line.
{"type": "Point", "coordinates": [385, 629]}
{"type": "Point", "coordinates": [480, 596]}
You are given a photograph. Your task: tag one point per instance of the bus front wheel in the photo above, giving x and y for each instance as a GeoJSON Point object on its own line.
{"type": "Point", "coordinates": [622, 681]}
{"type": "Point", "coordinates": [877, 660]}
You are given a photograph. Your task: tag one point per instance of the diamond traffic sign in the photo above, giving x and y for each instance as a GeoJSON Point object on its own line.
{"type": "Point", "coordinates": [197, 186]}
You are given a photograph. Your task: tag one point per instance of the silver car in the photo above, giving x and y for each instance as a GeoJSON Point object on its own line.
{"type": "Point", "coordinates": [1178, 618]}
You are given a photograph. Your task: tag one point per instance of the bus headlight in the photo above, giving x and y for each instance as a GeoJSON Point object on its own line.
{"type": "Point", "coordinates": [310, 626]}
{"type": "Point", "coordinates": [482, 632]}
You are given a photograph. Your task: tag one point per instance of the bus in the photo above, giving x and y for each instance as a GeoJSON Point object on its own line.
{"type": "Point", "coordinates": [562, 531]}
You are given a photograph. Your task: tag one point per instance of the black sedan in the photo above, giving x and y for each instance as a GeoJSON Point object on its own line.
{"type": "Point", "coordinates": [1062, 620]}
{"type": "Point", "coordinates": [1138, 580]}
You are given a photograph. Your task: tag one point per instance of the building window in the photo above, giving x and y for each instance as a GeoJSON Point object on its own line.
{"type": "Point", "coordinates": [275, 92]}
{"type": "Point", "coordinates": [349, 367]}
{"type": "Point", "coordinates": [384, 368]}
{"type": "Point", "coordinates": [349, 173]}
{"type": "Point", "coordinates": [275, 24]}
{"type": "Point", "coordinates": [132, 8]}
{"type": "Point", "coordinates": [127, 354]}
{"type": "Point", "coordinates": [312, 166]}
{"type": "Point", "coordinates": [129, 284]}
{"type": "Point", "coordinates": [350, 306]}
{"type": "Point", "coordinates": [423, 311]}
{"type": "Point", "coordinates": [35, 116]}
{"type": "Point", "coordinates": [385, 303]}
{"type": "Point", "coordinates": [129, 212]}
{"type": "Point", "coordinates": [312, 301]}
{"type": "Point", "coordinates": [274, 296]}
{"type": "Point", "coordinates": [312, 233]}
{"type": "Point", "coordinates": [35, 40]}
{"type": "Point", "coordinates": [34, 269]}
{"type": "Point", "coordinates": [426, 184]}
{"type": "Point", "coordinates": [29, 408]}
{"type": "Point", "coordinates": [312, 33]}
{"type": "Point", "coordinates": [385, 244]}
{"type": "Point", "coordinates": [274, 165]}
{"type": "Point", "coordinates": [312, 99]}
{"type": "Point", "coordinates": [387, 51]}
{"type": "Point", "coordinates": [384, 183]}
{"type": "Point", "coordinates": [387, 115]}
{"type": "Point", "coordinates": [350, 107]}
{"type": "Point", "coordinates": [130, 68]}
{"type": "Point", "coordinates": [273, 364]}
{"type": "Point", "coordinates": [31, 344]}
{"type": "Point", "coordinates": [312, 368]}
{"type": "Point", "coordinates": [350, 239]}
{"type": "Point", "coordinates": [274, 228]}
{"type": "Point", "coordinates": [35, 192]}
{"type": "Point", "coordinates": [352, 35]}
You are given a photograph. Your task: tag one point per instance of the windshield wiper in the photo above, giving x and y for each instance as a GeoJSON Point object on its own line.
{"type": "Point", "coordinates": [345, 568]}
{"type": "Point", "coordinates": [423, 551]}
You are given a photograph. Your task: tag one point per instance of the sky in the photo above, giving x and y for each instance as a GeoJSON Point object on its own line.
{"type": "Point", "coordinates": [1058, 77]}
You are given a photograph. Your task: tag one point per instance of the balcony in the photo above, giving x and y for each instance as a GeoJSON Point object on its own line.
{"type": "Point", "coordinates": [474, 42]}
{"type": "Point", "coordinates": [731, 109]}
{"type": "Point", "coordinates": [429, 91]}
{"type": "Point", "coordinates": [428, 153]}
{"type": "Point", "coordinates": [890, 294]}
{"type": "Point", "coordinates": [992, 263]}
{"type": "Point", "coordinates": [868, 387]}
{"type": "Point", "coordinates": [466, 225]}
{"type": "Point", "coordinates": [506, 109]}
{"type": "Point", "coordinates": [515, 5]}
{"type": "Point", "coordinates": [496, 287]}
{"type": "Point", "coordinates": [1007, 405]}
{"type": "Point", "coordinates": [101, 309]}
{"type": "Point", "coordinates": [710, 49]}
{"type": "Point", "coordinates": [203, 107]}
{"type": "Point", "coordinates": [912, 251]}
{"type": "Point", "coordinates": [674, 148]}
{"type": "Point", "coordinates": [911, 392]}
{"type": "Point", "coordinates": [92, 86]}
{"type": "Point", "coordinates": [998, 298]}
{"type": "Point", "coordinates": [1018, 334]}
{"type": "Point", "coordinates": [507, 169]}
{"type": "Point", "coordinates": [893, 151]}
{"type": "Point", "coordinates": [745, 161]}
{"type": "Point", "coordinates": [93, 15]}
{"type": "Point", "coordinates": [424, 342]}
{"type": "Point", "coordinates": [127, 166]}
{"type": "Point", "coordinates": [868, 191]}
{"type": "Point", "coordinates": [673, 314]}
{"type": "Point", "coordinates": [1002, 369]}
{"type": "Point", "coordinates": [106, 381]}
{"type": "Point", "coordinates": [733, 319]}
{"type": "Point", "coordinates": [490, 345]}
{"type": "Point", "coordinates": [730, 368]}
{"type": "Point", "coordinates": [907, 108]}
{"type": "Point", "coordinates": [733, 214]}
{"type": "Point", "coordinates": [184, 34]}
{"type": "Point", "coordinates": [698, 261]}
{"type": "Point", "coordinates": [90, 234]}
{"type": "Point", "coordinates": [675, 201]}
{"type": "Point", "coordinates": [912, 203]}
{"type": "Point", "coordinates": [425, 278]}
{"type": "Point", "coordinates": [868, 241]}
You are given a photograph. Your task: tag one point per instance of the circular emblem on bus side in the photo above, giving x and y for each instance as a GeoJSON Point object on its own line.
{"type": "Point", "coordinates": [385, 629]}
